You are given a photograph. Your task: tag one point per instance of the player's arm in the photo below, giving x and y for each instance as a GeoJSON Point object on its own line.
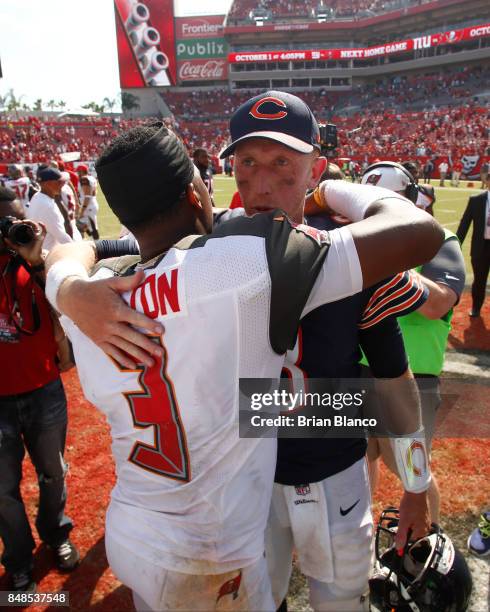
{"type": "Point", "coordinates": [84, 301]}
{"type": "Point", "coordinates": [398, 404]}
{"type": "Point", "coordinates": [444, 277]}
{"type": "Point", "coordinates": [390, 234]}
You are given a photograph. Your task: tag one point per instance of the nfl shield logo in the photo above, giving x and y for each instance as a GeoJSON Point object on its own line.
{"type": "Point", "coordinates": [303, 489]}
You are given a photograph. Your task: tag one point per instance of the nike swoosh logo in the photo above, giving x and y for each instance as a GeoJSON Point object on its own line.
{"type": "Point", "coordinates": [345, 512]}
{"type": "Point", "coordinates": [451, 277]}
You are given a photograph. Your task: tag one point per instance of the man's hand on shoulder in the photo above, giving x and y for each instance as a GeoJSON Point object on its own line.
{"type": "Point", "coordinates": [96, 306]}
{"type": "Point", "coordinates": [99, 311]}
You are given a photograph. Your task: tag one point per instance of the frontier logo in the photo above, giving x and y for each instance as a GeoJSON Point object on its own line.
{"type": "Point", "coordinates": [200, 29]}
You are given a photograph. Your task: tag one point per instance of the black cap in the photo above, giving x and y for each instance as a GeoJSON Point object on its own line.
{"type": "Point", "coordinates": [162, 164]}
{"type": "Point", "coordinates": [49, 174]}
{"type": "Point", "coordinates": [275, 115]}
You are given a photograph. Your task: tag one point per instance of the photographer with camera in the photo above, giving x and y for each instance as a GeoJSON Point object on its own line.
{"type": "Point", "coordinates": [33, 412]}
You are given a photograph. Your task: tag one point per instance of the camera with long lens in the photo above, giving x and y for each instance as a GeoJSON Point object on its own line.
{"type": "Point", "coordinates": [19, 234]}
{"type": "Point", "coordinates": [328, 139]}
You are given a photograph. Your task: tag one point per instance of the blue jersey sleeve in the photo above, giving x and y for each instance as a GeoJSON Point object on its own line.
{"type": "Point", "coordinates": [396, 296]}
{"type": "Point", "coordinates": [384, 349]}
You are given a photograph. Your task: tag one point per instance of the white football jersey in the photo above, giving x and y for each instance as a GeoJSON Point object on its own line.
{"type": "Point", "coordinates": [68, 201]}
{"type": "Point", "coordinates": [191, 495]}
{"type": "Point", "coordinates": [92, 184]}
{"type": "Point", "coordinates": [21, 188]}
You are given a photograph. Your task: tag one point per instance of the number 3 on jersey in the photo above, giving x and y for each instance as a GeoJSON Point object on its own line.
{"type": "Point", "coordinates": [155, 405]}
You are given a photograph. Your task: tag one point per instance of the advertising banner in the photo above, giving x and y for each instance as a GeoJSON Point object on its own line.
{"type": "Point", "coordinates": [201, 50]}
{"type": "Point", "coordinates": [412, 44]}
{"type": "Point", "coordinates": [202, 70]}
{"type": "Point", "coordinates": [199, 27]}
{"type": "Point", "coordinates": [145, 43]}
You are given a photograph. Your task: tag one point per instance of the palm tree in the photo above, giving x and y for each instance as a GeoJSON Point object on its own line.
{"type": "Point", "coordinates": [110, 103]}
{"type": "Point", "coordinates": [129, 102]}
{"type": "Point", "coordinates": [38, 105]}
{"type": "Point", "coordinates": [14, 102]}
{"type": "Point", "coordinates": [61, 104]}
{"type": "Point", "coordinates": [97, 108]}
{"type": "Point", "coordinates": [51, 104]}
{"type": "Point", "coordinates": [3, 101]}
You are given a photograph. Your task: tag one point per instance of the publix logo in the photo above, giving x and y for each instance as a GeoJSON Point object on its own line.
{"type": "Point", "coordinates": [201, 48]}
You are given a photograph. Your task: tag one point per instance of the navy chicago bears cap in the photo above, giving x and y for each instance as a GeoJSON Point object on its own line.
{"type": "Point", "coordinates": [275, 115]}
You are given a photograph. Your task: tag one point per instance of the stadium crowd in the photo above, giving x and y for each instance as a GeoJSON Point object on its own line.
{"type": "Point", "coordinates": [241, 9]}
{"type": "Point", "coordinates": [437, 106]}
{"type": "Point", "coordinates": [431, 133]}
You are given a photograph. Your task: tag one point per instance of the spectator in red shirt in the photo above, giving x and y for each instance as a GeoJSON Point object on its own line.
{"type": "Point", "coordinates": [456, 172]}
{"type": "Point", "coordinates": [32, 405]}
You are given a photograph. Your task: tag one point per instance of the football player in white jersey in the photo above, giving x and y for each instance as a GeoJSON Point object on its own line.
{"type": "Point", "coordinates": [69, 201]}
{"type": "Point", "coordinates": [19, 183]}
{"type": "Point", "coordinates": [186, 523]}
{"type": "Point", "coordinates": [89, 207]}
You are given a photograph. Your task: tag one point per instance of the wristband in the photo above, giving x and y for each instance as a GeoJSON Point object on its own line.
{"type": "Point", "coordinates": [352, 200]}
{"type": "Point", "coordinates": [317, 197]}
{"type": "Point", "coordinates": [57, 275]}
{"type": "Point", "coordinates": [412, 461]}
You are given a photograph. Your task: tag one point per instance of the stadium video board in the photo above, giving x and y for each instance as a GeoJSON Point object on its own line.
{"type": "Point", "coordinates": [145, 43]}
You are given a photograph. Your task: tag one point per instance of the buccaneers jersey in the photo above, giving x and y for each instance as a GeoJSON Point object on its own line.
{"type": "Point", "coordinates": [190, 494]}
{"type": "Point", "coordinates": [87, 190]}
{"type": "Point", "coordinates": [21, 187]}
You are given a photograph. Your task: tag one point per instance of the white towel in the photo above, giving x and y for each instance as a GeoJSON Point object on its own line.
{"type": "Point", "coordinates": [308, 518]}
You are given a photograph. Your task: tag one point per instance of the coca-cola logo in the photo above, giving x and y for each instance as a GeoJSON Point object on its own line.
{"type": "Point", "coordinates": [212, 70]}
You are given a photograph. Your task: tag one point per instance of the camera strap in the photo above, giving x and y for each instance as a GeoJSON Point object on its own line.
{"type": "Point", "coordinates": [13, 303]}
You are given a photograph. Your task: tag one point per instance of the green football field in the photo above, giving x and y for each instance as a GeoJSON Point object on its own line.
{"type": "Point", "coordinates": [449, 207]}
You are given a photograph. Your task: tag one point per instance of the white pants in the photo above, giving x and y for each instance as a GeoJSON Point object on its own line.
{"type": "Point", "coordinates": [345, 543]}
{"type": "Point", "coordinates": [156, 588]}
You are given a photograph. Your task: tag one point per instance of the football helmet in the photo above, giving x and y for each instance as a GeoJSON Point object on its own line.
{"type": "Point", "coordinates": [392, 176]}
{"type": "Point", "coordinates": [430, 576]}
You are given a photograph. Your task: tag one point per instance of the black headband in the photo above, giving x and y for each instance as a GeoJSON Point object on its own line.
{"type": "Point", "coordinates": [149, 179]}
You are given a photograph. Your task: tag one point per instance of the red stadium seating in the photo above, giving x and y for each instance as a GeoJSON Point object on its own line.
{"type": "Point", "coordinates": [396, 117]}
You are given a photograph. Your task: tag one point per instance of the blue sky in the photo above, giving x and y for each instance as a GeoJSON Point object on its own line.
{"type": "Point", "coordinates": [66, 49]}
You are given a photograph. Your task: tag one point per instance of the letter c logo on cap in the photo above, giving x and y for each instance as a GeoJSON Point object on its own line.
{"type": "Point", "coordinates": [255, 110]}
